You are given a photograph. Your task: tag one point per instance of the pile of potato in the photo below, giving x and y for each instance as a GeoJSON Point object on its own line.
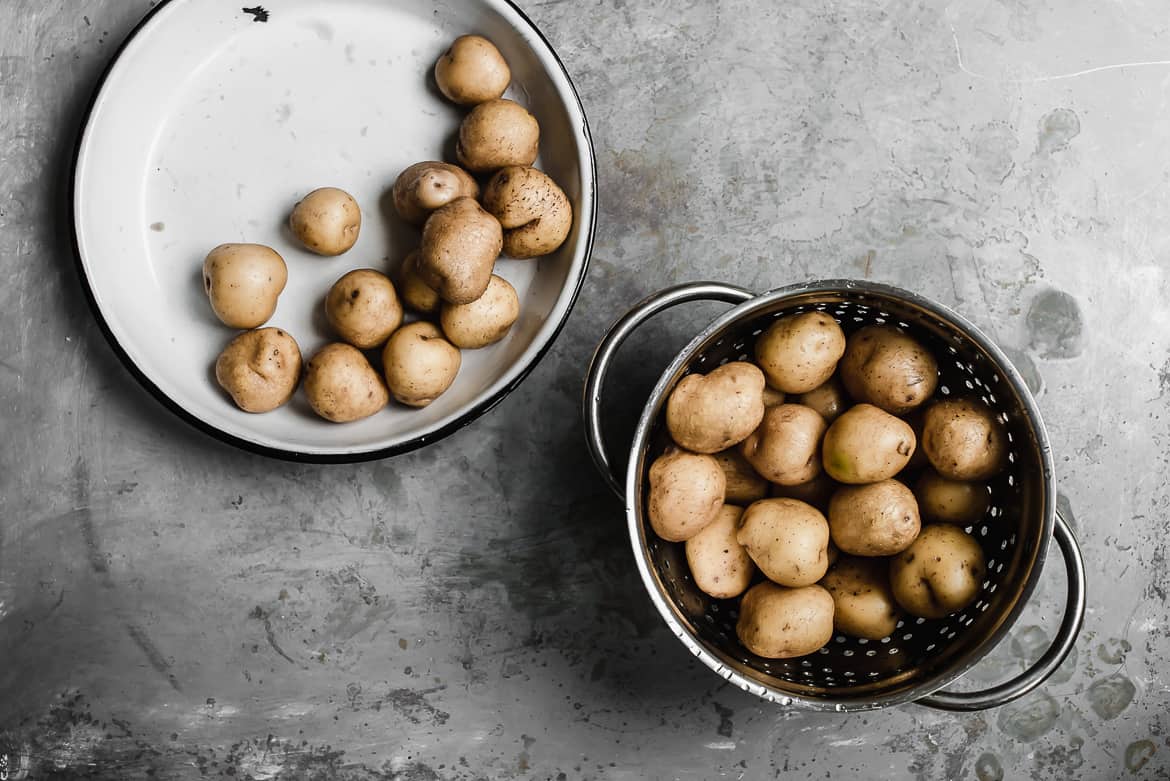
{"type": "Point", "coordinates": [521, 212]}
{"type": "Point", "coordinates": [795, 467]}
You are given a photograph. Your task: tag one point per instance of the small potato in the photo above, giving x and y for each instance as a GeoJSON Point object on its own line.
{"type": "Point", "coordinates": [827, 399]}
{"type": "Point", "coordinates": [719, 564]}
{"type": "Point", "coordinates": [772, 397]}
{"type": "Point", "coordinates": [941, 573]}
{"type": "Point", "coordinates": [341, 386]}
{"type": "Point", "coordinates": [472, 71]}
{"type": "Point", "coordinates": [788, 540]}
{"type": "Point", "coordinates": [963, 440]}
{"type": "Point", "coordinates": [424, 187]}
{"type": "Point", "coordinates": [485, 320]}
{"type": "Point", "coordinates": [707, 413]}
{"type": "Point", "coordinates": [863, 605]}
{"type": "Point", "coordinates": [950, 501]}
{"type": "Point", "coordinates": [260, 369]}
{"type": "Point", "coordinates": [327, 221]}
{"type": "Point", "coordinates": [866, 445]}
{"type": "Point", "coordinates": [916, 418]}
{"type": "Point", "coordinates": [833, 553]}
{"type": "Point", "coordinates": [800, 352]}
{"type": "Point", "coordinates": [243, 282]}
{"type": "Point", "coordinates": [779, 623]}
{"type": "Point", "coordinates": [686, 494]}
{"type": "Point", "coordinates": [534, 211]}
{"type": "Point", "coordinates": [460, 244]}
{"type": "Point", "coordinates": [417, 294]}
{"type": "Point", "coordinates": [784, 447]}
{"type": "Point", "coordinates": [363, 308]}
{"type": "Point", "coordinates": [419, 363]}
{"type": "Point", "coordinates": [816, 492]}
{"type": "Point", "coordinates": [495, 135]}
{"type": "Point", "coordinates": [744, 484]}
{"type": "Point", "coordinates": [885, 367]}
{"type": "Point", "coordinates": [879, 519]}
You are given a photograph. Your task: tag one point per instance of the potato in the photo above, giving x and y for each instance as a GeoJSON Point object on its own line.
{"type": "Point", "coordinates": [719, 564]}
{"type": "Point", "coordinates": [424, 187]}
{"type": "Point", "coordinates": [772, 397]}
{"type": "Point", "coordinates": [885, 367]}
{"type": "Point", "coordinates": [787, 540]}
{"type": "Point", "coordinates": [341, 386]}
{"type": "Point", "coordinates": [744, 484]}
{"type": "Point", "coordinates": [327, 221]}
{"type": "Point", "coordinates": [363, 308]}
{"type": "Point", "coordinates": [707, 413]}
{"type": "Point", "coordinates": [417, 294]}
{"type": "Point", "coordinates": [866, 445]}
{"type": "Point", "coordinates": [686, 494]}
{"type": "Point", "coordinates": [460, 244]}
{"type": "Point", "coordinates": [941, 573]}
{"type": "Point", "coordinates": [495, 135]}
{"type": "Point", "coordinates": [259, 369]}
{"type": "Point", "coordinates": [815, 492]}
{"type": "Point", "coordinates": [827, 399]}
{"type": "Point", "coordinates": [534, 211]}
{"type": "Point", "coordinates": [779, 623]}
{"type": "Point", "coordinates": [863, 605]}
{"type": "Point", "coordinates": [800, 352]}
{"type": "Point", "coordinates": [916, 418]}
{"type": "Point", "coordinates": [963, 440]}
{"type": "Point", "coordinates": [833, 552]}
{"type": "Point", "coordinates": [419, 364]}
{"type": "Point", "coordinates": [784, 447]}
{"type": "Point", "coordinates": [951, 501]}
{"type": "Point", "coordinates": [472, 71]}
{"type": "Point", "coordinates": [243, 282]}
{"type": "Point", "coordinates": [879, 519]}
{"type": "Point", "coordinates": [485, 320]}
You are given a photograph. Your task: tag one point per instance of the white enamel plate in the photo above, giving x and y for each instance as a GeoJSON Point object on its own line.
{"type": "Point", "coordinates": [214, 120]}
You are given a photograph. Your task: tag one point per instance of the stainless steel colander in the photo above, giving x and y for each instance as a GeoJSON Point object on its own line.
{"type": "Point", "coordinates": [922, 656]}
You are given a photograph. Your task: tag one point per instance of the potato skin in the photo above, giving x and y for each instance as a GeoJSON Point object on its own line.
{"type": "Point", "coordinates": [419, 364]}
{"type": "Point", "coordinates": [863, 605]}
{"type": "Point", "coordinates": [534, 211]}
{"type": "Point", "coordinates": [243, 283]}
{"type": "Point", "coordinates": [341, 386]}
{"type": "Point", "coordinates": [772, 397]}
{"type": "Point", "coordinates": [686, 494]}
{"type": "Point", "coordinates": [887, 368]}
{"type": "Point", "coordinates": [816, 492]}
{"type": "Point", "coordinates": [430, 185]}
{"type": "Point", "coordinates": [497, 134]}
{"type": "Point", "coordinates": [485, 320]}
{"type": "Point", "coordinates": [744, 484]}
{"type": "Point", "coordinates": [781, 623]}
{"type": "Point", "coordinates": [787, 539]}
{"type": "Point", "coordinates": [941, 573]}
{"type": "Point", "coordinates": [460, 244]}
{"type": "Point", "coordinates": [707, 413]}
{"type": "Point", "coordinates": [866, 445]}
{"type": "Point", "coordinates": [719, 565]}
{"type": "Point", "coordinates": [827, 399]}
{"type": "Point", "coordinates": [416, 294]}
{"type": "Point", "coordinates": [963, 440]}
{"type": "Point", "coordinates": [472, 71]}
{"type": "Point", "coordinates": [784, 447]}
{"type": "Point", "coordinates": [950, 501]}
{"type": "Point", "coordinates": [878, 519]}
{"type": "Point", "coordinates": [799, 352]}
{"type": "Point", "coordinates": [363, 309]}
{"type": "Point", "coordinates": [327, 221]}
{"type": "Point", "coordinates": [260, 369]}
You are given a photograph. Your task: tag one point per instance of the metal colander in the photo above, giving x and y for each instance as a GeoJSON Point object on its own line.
{"type": "Point", "coordinates": [922, 656]}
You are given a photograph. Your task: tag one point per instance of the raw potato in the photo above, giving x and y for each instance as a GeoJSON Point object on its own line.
{"type": "Point", "coordinates": [772, 397]}
{"type": "Point", "coordinates": [719, 564]}
{"type": "Point", "coordinates": [419, 363]}
{"type": "Point", "coordinates": [800, 352]}
{"type": "Point", "coordinates": [534, 211]}
{"type": "Point", "coordinates": [866, 445]}
{"type": "Point", "coordinates": [744, 484]}
{"type": "Point", "coordinates": [243, 282]}
{"type": "Point", "coordinates": [879, 519]}
{"type": "Point", "coordinates": [784, 447]}
{"type": "Point", "coordinates": [260, 369]}
{"type": "Point", "coordinates": [863, 605]}
{"type": "Point", "coordinates": [916, 419]}
{"type": "Point", "coordinates": [485, 320]}
{"type": "Point", "coordinates": [327, 221]}
{"type": "Point", "coordinates": [828, 399]}
{"type": "Point", "coordinates": [941, 573]}
{"type": "Point", "coordinates": [788, 540]}
{"type": "Point", "coordinates": [472, 71]}
{"type": "Point", "coordinates": [885, 367]}
{"type": "Point", "coordinates": [417, 294]}
{"type": "Point", "coordinates": [816, 492]}
{"type": "Point", "coordinates": [963, 440]}
{"type": "Point", "coordinates": [497, 134]}
{"type": "Point", "coordinates": [363, 308]}
{"type": "Point", "coordinates": [424, 187]}
{"type": "Point", "coordinates": [951, 501]}
{"type": "Point", "coordinates": [707, 413]}
{"type": "Point", "coordinates": [460, 244]}
{"type": "Point", "coordinates": [341, 386]}
{"type": "Point", "coordinates": [686, 494]}
{"type": "Point", "coordinates": [779, 623]}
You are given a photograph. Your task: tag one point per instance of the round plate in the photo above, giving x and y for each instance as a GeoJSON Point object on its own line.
{"type": "Point", "coordinates": [214, 120]}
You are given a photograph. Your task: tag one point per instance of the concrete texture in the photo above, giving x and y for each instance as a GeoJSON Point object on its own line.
{"type": "Point", "coordinates": [175, 608]}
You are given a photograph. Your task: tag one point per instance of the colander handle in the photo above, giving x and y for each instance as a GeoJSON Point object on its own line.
{"type": "Point", "coordinates": [1070, 626]}
{"type": "Point", "coordinates": [617, 334]}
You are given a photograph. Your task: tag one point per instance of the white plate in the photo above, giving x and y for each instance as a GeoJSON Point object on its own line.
{"type": "Point", "coordinates": [210, 125]}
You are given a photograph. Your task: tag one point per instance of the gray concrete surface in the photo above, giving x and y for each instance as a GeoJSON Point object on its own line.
{"type": "Point", "coordinates": [173, 607]}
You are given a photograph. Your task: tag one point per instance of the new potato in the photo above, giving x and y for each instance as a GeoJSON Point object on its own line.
{"type": "Point", "coordinates": [780, 623]}
{"type": "Point", "coordinates": [460, 244]}
{"type": "Point", "coordinates": [341, 386]}
{"type": "Point", "coordinates": [963, 440]}
{"type": "Point", "coordinates": [430, 185]}
{"type": "Point", "coordinates": [827, 399]}
{"type": "Point", "coordinates": [951, 501]}
{"type": "Point", "coordinates": [878, 519]}
{"type": "Point", "coordinates": [800, 352]}
{"type": "Point", "coordinates": [243, 282]}
{"type": "Point", "coordinates": [472, 71]}
{"type": "Point", "coordinates": [260, 369]}
{"type": "Point", "coordinates": [889, 369]}
{"type": "Point", "coordinates": [863, 604]}
{"type": "Point", "coordinates": [941, 573]}
{"type": "Point", "coordinates": [719, 564]}
{"type": "Point", "coordinates": [327, 221]}
{"type": "Point", "coordinates": [485, 320]}
{"type": "Point", "coordinates": [783, 448]}
{"type": "Point", "coordinates": [712, 412]}
{"type": "Point", "coordinates": [787, 539]}
{"type": "Point", "coordinates": [866, 445]}
{"type": "Point", "coordinates": [744, 484]}
{"type": "Point", "coordinates": [535, 213]}
{"type": "Point", "coordinates": [363, 308]}
{"type": "Point", "coordinates": [419, 364]}
{"type": "Point", "coordinates": [686, 494]}
{"type": "Point", "coordinates": [497, 134]}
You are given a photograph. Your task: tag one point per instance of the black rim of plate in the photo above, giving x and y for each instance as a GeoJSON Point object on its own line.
{"type": "Point", "coordinates": [463, 420]}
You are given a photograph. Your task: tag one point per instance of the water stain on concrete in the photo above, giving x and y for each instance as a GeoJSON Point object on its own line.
{"type": "Point", "coordinates": [1030, 643]}
{"type": "Point", "coordinates": [1113, 650]}
{"type": "Point", "coordinates": [1057, 129]}
{"type": "Point", "coordinates": [725, 724]}
{"type": "Point", "coordinates": [1138, 753]}
{"type": "Point", "coordinates": [1109, 696]}
{"type": "Point", "coordinates": [1055, 324]}
{"type": "Point", "coordinates": [1029, 718]}
{"type": "Point", "coordinates": [988, 768]}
